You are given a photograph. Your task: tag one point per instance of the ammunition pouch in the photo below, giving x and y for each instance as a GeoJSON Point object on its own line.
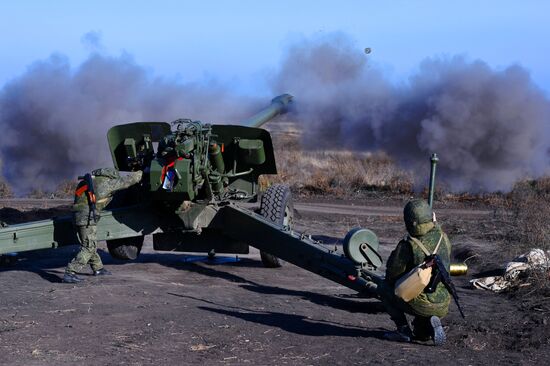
{"type": "Point", "coordinates": [418, 279]}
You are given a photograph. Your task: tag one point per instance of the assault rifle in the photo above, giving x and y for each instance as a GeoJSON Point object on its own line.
{"type": "Point", "coordinates": [440, 274]}
{"type": "Point", "coordinates": [90, 195]}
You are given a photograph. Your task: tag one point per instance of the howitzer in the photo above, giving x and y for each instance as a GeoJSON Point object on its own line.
{"type": "Point", "coordinates": [195, 177]}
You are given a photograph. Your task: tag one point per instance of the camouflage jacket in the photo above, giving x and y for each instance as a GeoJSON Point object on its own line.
{"type": "Point", "coordinates": [104, 189]}
{"type": "Point", "coordinates": [408, 255]}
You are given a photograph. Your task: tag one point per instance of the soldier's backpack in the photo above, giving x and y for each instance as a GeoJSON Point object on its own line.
{"type": "Point", "coordinates": [411, 284]}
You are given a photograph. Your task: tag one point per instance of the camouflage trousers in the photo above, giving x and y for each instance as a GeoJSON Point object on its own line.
{"type": "Point", "coordinates": [397, 308]}
{"type": "Point", "coordinates": [88, 250]}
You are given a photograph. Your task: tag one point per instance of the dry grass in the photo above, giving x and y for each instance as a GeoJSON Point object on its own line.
{"type": "Point", "coordinates": [340, 172]}
{"type": "Point", "coordinates": [5, 189]}
{"type": "Point", "coordinates": [65, 189]}
{"type": "Point", "coordinates": [529, 208]}
{"type": "Point", "coordinates": [524, 219]}
{"type": "Point", "coordinates": [337, 173]}
{"type": "Point", "coordinates": [39, 193]}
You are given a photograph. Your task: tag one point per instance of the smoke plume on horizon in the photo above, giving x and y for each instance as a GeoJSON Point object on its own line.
{"type": "Point", "coordinates": [490, 127]}
{"type": "Point", "coordinates": [54, 118]}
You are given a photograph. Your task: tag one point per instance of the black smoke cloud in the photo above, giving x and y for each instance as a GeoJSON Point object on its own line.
{"type": "Point", "coordinates": [54, 118]}
{"type": "Point", "coordinates": [489, 127]}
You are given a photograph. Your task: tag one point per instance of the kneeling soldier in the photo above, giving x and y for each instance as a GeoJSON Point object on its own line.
{"type": "Point", "coordinates": [424, 236]}
{"type": "Point", "coordinates": [92, 194]}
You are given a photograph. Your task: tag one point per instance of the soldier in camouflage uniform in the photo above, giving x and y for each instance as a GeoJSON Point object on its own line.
{"type": "Point", "coordinates": [106, 182]}
{"type": "Point", "coordinates": [427, 308]}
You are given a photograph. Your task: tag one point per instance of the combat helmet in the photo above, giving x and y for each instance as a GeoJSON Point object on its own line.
{"type": "Point", "coordinates": [418, 217]}
{"type": "Point", "coordinates": [106, 172]}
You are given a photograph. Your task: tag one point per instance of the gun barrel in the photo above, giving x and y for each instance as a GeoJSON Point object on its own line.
{"type": "Point", "coordinates": [278, 106]}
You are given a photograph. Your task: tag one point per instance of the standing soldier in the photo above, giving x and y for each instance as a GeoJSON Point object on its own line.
{"type": "Point", "coordinates": [92, 194]}
{"type": "Point", "coordinates": [424, 235]}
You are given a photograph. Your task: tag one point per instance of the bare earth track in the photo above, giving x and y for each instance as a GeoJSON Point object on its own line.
{"type": "Point", "coordinates": [166, 308]}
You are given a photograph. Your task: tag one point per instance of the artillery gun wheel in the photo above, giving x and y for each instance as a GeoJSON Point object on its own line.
{"type": "Point", "coordinates": [7, 260]}
{"type": "Point", "coordinates": [126, 248]}
{"type": "Point", "coordinates": [276, 206]}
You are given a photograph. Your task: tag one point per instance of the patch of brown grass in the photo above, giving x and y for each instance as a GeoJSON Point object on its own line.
{"type": "Point", "coordinates": [529, 211]}
{"type": "Point", "coordinates": [39, 193]}
{"type": "Point", "coordinates": [336, 173]}
{"type": "Point", "coordinates": [5, 189]}
{"type": "Point", "coordinates": [65, 189]}
{"type": "Point", "coordinates": [339, 172]}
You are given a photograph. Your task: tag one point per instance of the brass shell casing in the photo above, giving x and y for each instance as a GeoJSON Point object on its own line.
{"type": "Point", "coordinates": [458, 269]}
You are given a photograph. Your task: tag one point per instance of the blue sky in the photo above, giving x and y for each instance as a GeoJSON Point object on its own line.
{"type": "Point", "coordinates": [240, 41]}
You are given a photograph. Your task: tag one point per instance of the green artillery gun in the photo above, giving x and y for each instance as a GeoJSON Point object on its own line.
{"type": "Point", "coordinates": [196, 177]}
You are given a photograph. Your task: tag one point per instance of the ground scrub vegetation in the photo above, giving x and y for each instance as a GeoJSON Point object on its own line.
{"type": "Point", "coordinates": [333, 172]}
{"type": "Point", "coordinates": [529, 212]}
{"type": "Point", "coordinates": [5, 189]}
{"type": "Point", "coordinates": [340, 173]}
{"type": "Point", "coordinates": [525, 211]}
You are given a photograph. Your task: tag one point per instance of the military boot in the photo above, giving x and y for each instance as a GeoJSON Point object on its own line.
{"type": "Point", "coordinates": [71, 278]}
{"type": "Point", "coordinates": [422, 329]}
{"type": "Point", "coordinates": [438, 332]}
{"type": "Point", "coordinates": [102, 272]}
{"type": "Point", "coordinates": [402, 334]}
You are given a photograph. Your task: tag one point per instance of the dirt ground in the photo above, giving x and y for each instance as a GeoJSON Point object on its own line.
{"type": "Point", "coordinates": [169, 308]}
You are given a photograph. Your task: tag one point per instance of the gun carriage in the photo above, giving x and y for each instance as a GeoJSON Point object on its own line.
{"type": "Point", "coordinates": [196, 178]}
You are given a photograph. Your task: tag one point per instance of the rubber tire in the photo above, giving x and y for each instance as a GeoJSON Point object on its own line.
{"type": "Point", "coordinates": [276, 206]}
{"type": "Point", "coordinates": [125, 249]}
{"type": "Point", "coordinates": [7, 260]}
